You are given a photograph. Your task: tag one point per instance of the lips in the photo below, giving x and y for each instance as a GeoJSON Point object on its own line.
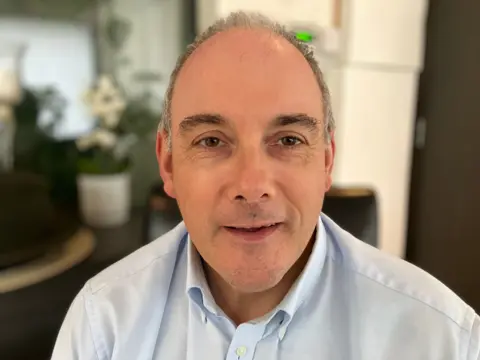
{"type": "Point", "coordinates": [254, 233]}
{"type": "Point", "coordinates": [250, 229]}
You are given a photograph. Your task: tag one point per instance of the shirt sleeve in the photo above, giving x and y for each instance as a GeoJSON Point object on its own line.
{"type": "Point", "coordinates": [75, 340]}
{"type": "Point", "coordinates": [474, 346]}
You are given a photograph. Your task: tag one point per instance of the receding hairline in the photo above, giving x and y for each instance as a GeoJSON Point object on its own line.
{"type": "Point", "coordinates": [241, 21]}
{"type": "Point", "coordinates": [221, 41]}
{"type": "Point", "coordinates": [264, 36]}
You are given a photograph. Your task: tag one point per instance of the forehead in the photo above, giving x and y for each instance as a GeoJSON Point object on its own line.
{"type": "Point", "coordinates": [246, 74]}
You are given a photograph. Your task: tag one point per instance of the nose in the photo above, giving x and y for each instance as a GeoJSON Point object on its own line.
{"type": "Point", "coordinates": [252, 178]}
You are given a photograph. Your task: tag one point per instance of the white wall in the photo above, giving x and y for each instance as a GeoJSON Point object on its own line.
{"type": "Point", "coordinates": [320, 11]}
{"type": "Point", "coordinates": [156, 39]}
{"type": "Point", "coordinates": [63, 53]}
{"type": "Point", "coordinates": [59, 54]}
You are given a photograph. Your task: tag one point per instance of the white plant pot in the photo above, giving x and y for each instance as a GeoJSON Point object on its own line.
{"type": "Point", "coordinates": [104, 199]}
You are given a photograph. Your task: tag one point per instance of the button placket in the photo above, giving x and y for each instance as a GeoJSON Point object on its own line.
{"type": "Point", "coordinates": [244, 342]}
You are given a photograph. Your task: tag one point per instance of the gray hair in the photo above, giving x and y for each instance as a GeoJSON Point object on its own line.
{"type": "Point", "coordinates": [256, 21]}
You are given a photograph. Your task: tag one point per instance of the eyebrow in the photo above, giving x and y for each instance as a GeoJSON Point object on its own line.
{"type": "Point", "coordinates": [304, 120]}
{"type": "Point", "coordinates": [191, 122]}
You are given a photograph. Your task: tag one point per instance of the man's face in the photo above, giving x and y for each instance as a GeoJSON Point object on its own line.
{"type": "Point", "coordinates": [249, 166]}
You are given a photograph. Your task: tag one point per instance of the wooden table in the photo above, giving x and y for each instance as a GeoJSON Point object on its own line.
{"type": "Point", "coordinates": [31, 317]}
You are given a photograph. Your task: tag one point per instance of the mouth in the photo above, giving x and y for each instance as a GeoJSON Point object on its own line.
{"type": "Point", "coordinates": [254, 233]}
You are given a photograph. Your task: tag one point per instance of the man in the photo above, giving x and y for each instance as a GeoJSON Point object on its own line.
{"type": "Point", "coordinates": [246, 146]}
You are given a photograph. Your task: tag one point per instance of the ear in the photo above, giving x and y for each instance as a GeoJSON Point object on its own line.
{"type": "Point", "coordinates": [164, 158]}
{"type": "Point", "coordinates": [329, 161]}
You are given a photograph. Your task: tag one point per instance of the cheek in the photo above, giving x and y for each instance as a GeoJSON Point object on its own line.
{"type": "Point", "coordinates": [195, 194]}
{"type": "Point", "coordinates": [304, 183]}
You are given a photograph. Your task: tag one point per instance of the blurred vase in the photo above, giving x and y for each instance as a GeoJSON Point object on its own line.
{"type": "Point", "coordinates": [105, 200]}
{"type": "Point", "coordinates": [10, 95]}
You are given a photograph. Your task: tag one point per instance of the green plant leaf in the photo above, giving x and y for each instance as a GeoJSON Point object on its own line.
{"type": "Point", "coordinates": [100, 162]}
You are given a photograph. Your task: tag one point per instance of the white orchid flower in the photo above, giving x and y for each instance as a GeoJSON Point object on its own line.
{"type": "Point", "coordinates": [103, 138]}
{"type": "Point", "coordinates": [106, 102]}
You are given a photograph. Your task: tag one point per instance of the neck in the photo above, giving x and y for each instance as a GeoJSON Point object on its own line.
{"type": "Point", "coordinates": [243, 307]}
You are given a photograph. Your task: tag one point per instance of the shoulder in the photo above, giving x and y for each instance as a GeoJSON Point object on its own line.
{"type": "Point", "coordinates": [401, 280]}
{"type": "Point", "coordinates": [158, 256]}
{"type": "Point", "coordinates": [122, 306]}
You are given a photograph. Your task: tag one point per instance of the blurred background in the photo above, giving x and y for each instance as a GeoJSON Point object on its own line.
{"type": "Point", "coordinates": [81, 90]}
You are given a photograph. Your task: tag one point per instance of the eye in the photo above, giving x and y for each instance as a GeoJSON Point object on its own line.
{"type": "Point", "coordinates": [210, 142]}
{"type": "Point", "coordinates": [290, 141]}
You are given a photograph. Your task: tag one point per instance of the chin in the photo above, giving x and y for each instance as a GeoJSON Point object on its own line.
{"type": "Point", "coordinates": [255, 283]}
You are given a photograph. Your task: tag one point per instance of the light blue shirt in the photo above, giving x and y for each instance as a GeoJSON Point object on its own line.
{"type": "Point", "coordinates": [351, 302]}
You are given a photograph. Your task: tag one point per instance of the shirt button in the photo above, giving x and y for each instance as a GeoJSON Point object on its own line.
{"type": "Point", "coordinates": [241, 351]}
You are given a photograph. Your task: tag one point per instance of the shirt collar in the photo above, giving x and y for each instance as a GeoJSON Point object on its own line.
{"type": "Point", "coordinates": [308, 279]}
{"type": "Point", "coordinates": [198, 290]}
{"type": "Point", "coordinates": [197, 286]}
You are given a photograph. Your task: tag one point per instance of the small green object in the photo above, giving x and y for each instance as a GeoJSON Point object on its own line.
{"type": "Point", "coordinates": [304, 36]}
